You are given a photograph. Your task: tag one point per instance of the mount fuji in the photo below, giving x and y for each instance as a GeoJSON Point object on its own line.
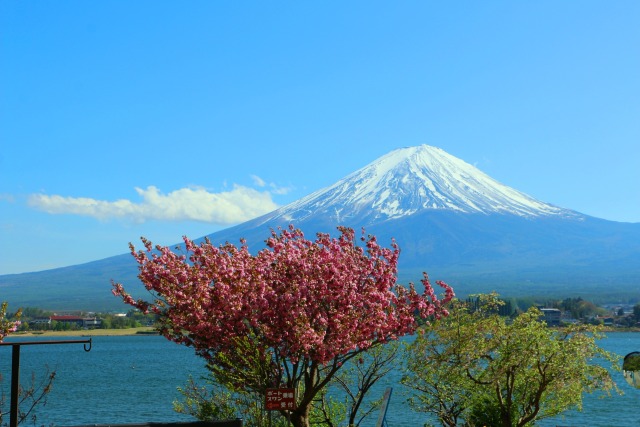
{"type": "Point", "coordinates": [409, 181]}
{"type": "Point", "coordinates": [449, 219]}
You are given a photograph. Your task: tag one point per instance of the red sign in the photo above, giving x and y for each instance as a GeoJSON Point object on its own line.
{"type": "Point", "coordinates": [280, 398]}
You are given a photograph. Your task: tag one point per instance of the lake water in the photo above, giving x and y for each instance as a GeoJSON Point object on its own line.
{"type": "Point", "coordinates": [134, 379]}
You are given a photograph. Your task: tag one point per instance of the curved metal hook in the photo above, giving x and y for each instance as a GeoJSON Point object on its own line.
{"type": "Point", "coordinates": [85, 345]}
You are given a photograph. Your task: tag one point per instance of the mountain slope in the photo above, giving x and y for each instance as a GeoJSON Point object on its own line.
{"type": "Point", "coordinates": [449, 218]}
{"type": "Point", "coordinates": [410, 180]}
{"type": "Point", "coordinates": [455, 222]}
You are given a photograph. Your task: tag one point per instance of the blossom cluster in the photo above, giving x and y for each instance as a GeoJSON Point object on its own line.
{"type": "Point", "coordinates": [6, 326]}
{"type": "Point", "coordinates": [303, 299]}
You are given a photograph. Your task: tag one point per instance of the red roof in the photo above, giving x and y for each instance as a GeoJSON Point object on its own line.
{"type": "Point", "coordinates": [66, 318]}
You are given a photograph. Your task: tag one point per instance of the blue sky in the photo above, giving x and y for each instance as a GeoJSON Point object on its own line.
{"type": "Point", "coordinates": [122, 119]}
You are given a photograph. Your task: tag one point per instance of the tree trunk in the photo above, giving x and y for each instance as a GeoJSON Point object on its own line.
{"type": "Point", "coordinates": [505, 417]}
{"type": "Point", "coordinates": [300, 417]}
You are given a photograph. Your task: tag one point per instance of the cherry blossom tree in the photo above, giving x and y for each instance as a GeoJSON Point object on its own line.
{"type": "Point", "coordinates": [289, 316]}
{"type": "Point", "coordinates": [7, 326]}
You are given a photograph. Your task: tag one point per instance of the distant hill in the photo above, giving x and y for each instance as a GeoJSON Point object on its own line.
{"type": "Point", "coordinates": [449, 218]}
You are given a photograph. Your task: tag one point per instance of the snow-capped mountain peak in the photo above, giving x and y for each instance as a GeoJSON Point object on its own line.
{"type": "Point", "coordinates": [410, 180]}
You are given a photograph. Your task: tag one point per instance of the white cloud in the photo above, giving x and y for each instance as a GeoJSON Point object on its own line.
{"type": "Point", "coordinates": [186, 204]}
{"type": "Point", "coordinates": [275, 189]}
{"type": "Point", "coordinates": [258, 181]}
{"type": "Point", "coordinates": [280, 190]}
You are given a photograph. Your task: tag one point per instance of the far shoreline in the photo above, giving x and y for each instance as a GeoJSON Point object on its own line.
{"type": "Point", "coordinates": [145, 330]}
{"type": "Point", "coordinates": [150, 331]}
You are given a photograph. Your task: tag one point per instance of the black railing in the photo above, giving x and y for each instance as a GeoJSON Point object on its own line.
{"type": "Point", "coordinates": [15, 370]}
{"type": "Point", "coordinates": [15, 387]}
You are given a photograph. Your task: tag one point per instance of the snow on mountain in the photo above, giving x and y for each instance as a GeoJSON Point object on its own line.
{"type": "Point", "coordinates": [410, 180]}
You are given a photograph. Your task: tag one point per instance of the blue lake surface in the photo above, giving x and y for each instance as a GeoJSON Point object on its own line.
{"type": "Point", "coordinates": [134, 379]}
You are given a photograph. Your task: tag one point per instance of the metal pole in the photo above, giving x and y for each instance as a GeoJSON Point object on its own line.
{"type": "Point", "coordinates": [15, 385]}
{"type": "Point", "coordinates": [15, 370]}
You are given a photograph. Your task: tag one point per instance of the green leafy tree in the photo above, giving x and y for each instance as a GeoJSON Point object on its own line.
{"type": "Point", "coordinates": [364, 372]}
{"type": "Point", "coordinates": [475, 368]}
{"type": "Point", "coordinates": [106, 322]}
{"type": "Point", "coordinates": [342, 401]}
{"type": "Point", "coordinates": [213, 401]}
{"type": "Point", "coordinates": [632, 362]}
{"type": "Point", "coordinates": [435, 370]}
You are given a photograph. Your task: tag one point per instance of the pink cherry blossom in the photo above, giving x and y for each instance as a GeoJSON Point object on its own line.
{"type": "Point", "coordinates": [306, 306]}
{"type": "Point", "coordinates": [7, 326]}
